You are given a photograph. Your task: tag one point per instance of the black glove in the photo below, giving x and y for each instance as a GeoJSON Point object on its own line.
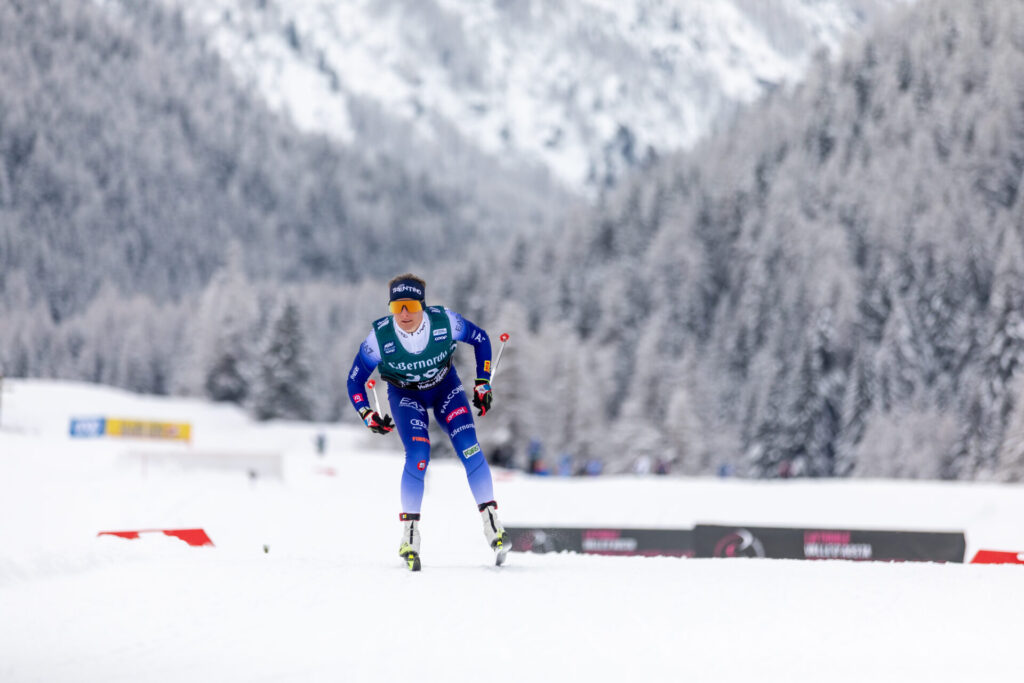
{"type": "Point", "coordinates": [376, 423]}
{"type": "Point", "coordinates": [482, 396]}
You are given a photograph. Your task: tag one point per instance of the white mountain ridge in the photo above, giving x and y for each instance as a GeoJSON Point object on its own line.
{"type": "Point", "coordinates": [585, 88]}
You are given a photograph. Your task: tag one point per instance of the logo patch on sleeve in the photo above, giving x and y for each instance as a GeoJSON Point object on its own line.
{"type": "Point", "coordinates": [487, 366]}
{"type": "Point", "coordinates": [357, 397]}
{"type": "Point", "coordinates": [471, 451]}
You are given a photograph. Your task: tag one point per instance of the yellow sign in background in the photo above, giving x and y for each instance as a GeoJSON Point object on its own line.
{"type": "Point", "coordinates": [144, 429]}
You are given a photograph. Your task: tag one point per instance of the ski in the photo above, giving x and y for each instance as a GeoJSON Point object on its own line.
{"type": "Point", "coordinates": [501, 548]}
{"type": "Point", "coordinates": [412, 560]}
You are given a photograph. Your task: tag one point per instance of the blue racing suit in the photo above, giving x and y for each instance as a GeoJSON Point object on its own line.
{"type": "Point", "coordinates": [439, 390]}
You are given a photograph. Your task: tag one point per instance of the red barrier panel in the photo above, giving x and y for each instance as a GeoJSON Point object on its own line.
{"type": "Point", "coordinates": [121, 534]}
{"type": "Point", "coordinates": [196, 537]}
{"type": "Point", "coordinates": [997, 557]}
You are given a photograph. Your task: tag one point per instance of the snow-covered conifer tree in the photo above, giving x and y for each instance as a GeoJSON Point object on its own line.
{"type": "Point", "coordinates": [224, 336]}
{"type": "Point", "coordinates": [282, 382]}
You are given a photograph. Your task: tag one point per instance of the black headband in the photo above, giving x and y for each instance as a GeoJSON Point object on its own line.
{"type": "Point", "coordinates": [407, 289]}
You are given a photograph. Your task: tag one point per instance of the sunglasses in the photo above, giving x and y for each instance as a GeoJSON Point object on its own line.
{"type": "Point", "coordinates": [411, 305]}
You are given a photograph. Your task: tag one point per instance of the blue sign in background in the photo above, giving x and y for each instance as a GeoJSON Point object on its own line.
{"type": "Point", "coordinates": [85, 427]}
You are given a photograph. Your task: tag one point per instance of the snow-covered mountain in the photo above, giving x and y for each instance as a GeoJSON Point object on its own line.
{"type": "Point", "coordinates": [582, 87]}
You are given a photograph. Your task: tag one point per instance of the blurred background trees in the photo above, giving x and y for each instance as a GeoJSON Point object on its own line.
{"type": "Point", "coordinates": [830, 285]}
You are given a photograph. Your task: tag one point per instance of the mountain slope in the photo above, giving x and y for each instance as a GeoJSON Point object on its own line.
{"type": "Point", "coordinates": [833, 285]}
{"type": "Point", "coordinates": [131, 159]}
{"type": "Point", "coordinates": [586, 89]}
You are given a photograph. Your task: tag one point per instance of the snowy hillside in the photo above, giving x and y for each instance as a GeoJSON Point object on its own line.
{"type": "Point", "coordinates": [584, 88]}
{"type": "Point", "coordinates": [331, 601]}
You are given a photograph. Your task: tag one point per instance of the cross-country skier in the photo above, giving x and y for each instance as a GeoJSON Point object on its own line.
{"type": "Point", "coordinates": [413, 348]}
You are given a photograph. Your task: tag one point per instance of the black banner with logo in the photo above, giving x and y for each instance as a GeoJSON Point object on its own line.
{"type": "Point", "coordinates": [829, 544]}
{"type": "Point", "coordinates": [709, 540]}
{"type": "Point", "coordinates": [649, 542]}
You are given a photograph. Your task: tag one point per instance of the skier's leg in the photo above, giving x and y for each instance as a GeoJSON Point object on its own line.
{"type": "Point", "coordinates": [456, 417]}
{"type": "Point", "coordinates": [411, 421]}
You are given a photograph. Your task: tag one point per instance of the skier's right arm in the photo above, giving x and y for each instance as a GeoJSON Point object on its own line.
{"type": "Point", "coordinates": [365, 363]}
{"type": "Point", "coordinates": [362, 367]}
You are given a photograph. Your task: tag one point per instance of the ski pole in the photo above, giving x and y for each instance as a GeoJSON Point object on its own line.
{"type": "Point", "coordinates": [497, 359]}
{"type": "Point", "coordinates": [373, 387]}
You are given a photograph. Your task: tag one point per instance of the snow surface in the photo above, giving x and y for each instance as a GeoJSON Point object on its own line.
{"type": "Point", "coordinates": [331, 601]}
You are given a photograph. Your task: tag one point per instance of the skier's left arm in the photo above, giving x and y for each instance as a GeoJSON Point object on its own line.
{"type": "Point", "coordinates": [467, 332]}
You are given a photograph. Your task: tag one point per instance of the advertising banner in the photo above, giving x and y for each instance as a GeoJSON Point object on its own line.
{"type": "Point", "coordinates": [144, 429]}
{"type": "Point", "coordinates": [596, 541]}
{"type": "Point", "coordinates": [829, 544]}
{"type": "Point", "coordinates": [88, 427]}
{"type": "Point", "coordinates": [708, 541]}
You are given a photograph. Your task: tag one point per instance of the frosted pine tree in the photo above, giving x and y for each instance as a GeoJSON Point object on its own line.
{"type": "Point", "coordinates": [857, 403]}
{"type": "Point", "coordinates": [509, 424]}
{"type": "Point", "coordinates": [896, 361]}
{"type": "Point", "coordinates": [685, 446]}
{"type": "Point", "coordinates": [283, 380]}
{"type": "Point", "coordinates": [822, 382]}
{"type": "Point", "coordinates": [1004, 355]}
{"type": "Point", "coordinates": [769, 447]}
{"type": "Point", "coordinates": [225, 334]}
{"type": "Point", "coordinates": [1011, 453]}
{"type": "Point", "coordinates": [587, 422]}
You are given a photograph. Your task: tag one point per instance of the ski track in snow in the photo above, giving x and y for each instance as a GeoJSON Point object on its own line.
{"type": "Point", "coordinates": [331, 599]}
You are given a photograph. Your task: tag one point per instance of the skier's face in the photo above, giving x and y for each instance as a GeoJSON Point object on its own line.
{"type": "Point", "coordinates": [408, 319]}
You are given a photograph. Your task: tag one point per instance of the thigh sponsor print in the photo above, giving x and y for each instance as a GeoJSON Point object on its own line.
{"type": "Point", "coordinates": [411, 422]}
{"type": "Point", "coordinates": [452, 395]}
{"type": "Point", "coordinates": [461, 410]}
{"type": "Point", "coordinates": [462, 428]}
{"type": "Point", "coordinates": [414, 404]}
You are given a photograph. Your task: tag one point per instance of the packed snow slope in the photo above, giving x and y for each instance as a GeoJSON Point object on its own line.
{"type": "Point", "coordinates": [331, 601]}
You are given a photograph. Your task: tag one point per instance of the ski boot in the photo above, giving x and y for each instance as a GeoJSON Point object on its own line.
{"type": "Point", "coordinates": [410, 548]}
{"type": "Point", "coordinates": [495, 533]}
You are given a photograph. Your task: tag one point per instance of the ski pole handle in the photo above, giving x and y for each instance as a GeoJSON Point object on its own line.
{"type": "Point", "coordinates": [497, 359]}
{"type": "Point", "coordinates": [373, 387]}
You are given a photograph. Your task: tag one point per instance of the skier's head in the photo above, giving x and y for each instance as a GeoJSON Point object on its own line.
{"type": "Point", "coordinates": [407, 293]}
{"type": "Point", "coordinates": [407, 286]}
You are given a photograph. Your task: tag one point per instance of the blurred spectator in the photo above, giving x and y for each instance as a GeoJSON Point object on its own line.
{"type": "Point", "coordinates": [535, 452]}
{"type": "Point", "coordinates": [501, 456]}
{"type": "Point", "coordinates": [785, 469]}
